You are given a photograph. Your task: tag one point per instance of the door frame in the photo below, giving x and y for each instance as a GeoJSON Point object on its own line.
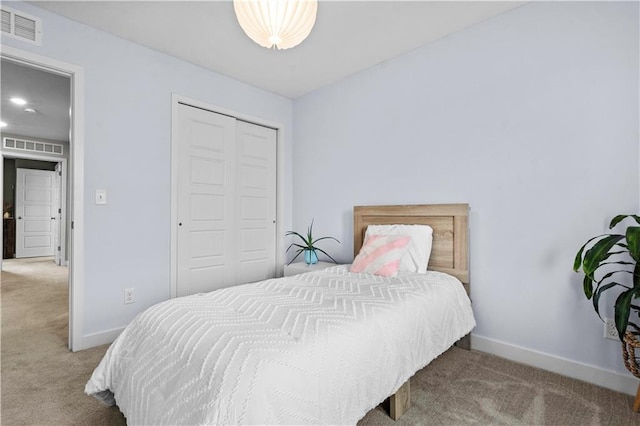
{"type": "Point", "coordinates": [76, 181]}
{"type": "Point", "coordinates": [279, 127]}
{"type": "Point", "coordinates": [61, 216]}
{"type": "Point", "coordinates": [63, 191]}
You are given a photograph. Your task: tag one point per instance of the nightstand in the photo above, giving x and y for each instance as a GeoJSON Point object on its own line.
{"type": "Point", "coordinates": [301, 268]}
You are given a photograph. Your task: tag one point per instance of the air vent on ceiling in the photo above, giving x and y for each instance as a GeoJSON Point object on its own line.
{"type": "Point", "coordinates": [21, 26]}
{"type": "Point", "coordinates": [34, 146]}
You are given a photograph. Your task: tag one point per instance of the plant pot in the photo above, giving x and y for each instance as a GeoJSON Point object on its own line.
{"type": "Point", "coordinates": [310, 257]}
{"type": "Point", "coordinates": [629, 345]}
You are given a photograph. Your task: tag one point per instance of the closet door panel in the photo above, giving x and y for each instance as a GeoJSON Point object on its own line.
{"type": "Point", "coordinates": [207, 158]}
{"type": "Point", "coordinates": [256, 206]}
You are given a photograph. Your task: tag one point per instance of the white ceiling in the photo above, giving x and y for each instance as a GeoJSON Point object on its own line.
{"type": "Point", "coordinates": [348, 37]}
{"type": "Point", "coordinates": [49, 94]}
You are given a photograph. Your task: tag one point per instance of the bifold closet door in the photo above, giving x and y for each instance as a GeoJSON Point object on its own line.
{"type": "Point", "coordinates": [226, 202]}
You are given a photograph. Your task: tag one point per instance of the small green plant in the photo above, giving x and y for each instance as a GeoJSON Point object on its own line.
{"type": "Point", "coordinates": [308, 246]}
{"type": "Point", "coordinates": [612, 261]}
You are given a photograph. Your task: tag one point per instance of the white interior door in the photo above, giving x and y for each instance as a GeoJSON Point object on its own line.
{"type": "Point", "coordinates": [226, 201]}
{"type": "Point", "coordinates": [256, 206]}
{"type": "Point", "coordinates": [36, 209]}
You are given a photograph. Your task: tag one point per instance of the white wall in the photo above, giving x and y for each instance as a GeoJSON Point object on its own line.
{"type": "Point", "coordinates": [128, 92]}
{"type": "Point", "coordinates": [516, 116]}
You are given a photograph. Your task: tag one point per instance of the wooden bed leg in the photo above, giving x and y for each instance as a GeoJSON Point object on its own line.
{"type": "Point", "coordinates": [464, 343]}
{"type": "Point", "coordinates": [636, 404]}
{"type": "Point", "coordinates": [400, 402]}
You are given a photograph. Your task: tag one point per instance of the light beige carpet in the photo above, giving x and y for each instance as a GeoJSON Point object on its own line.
{"type": "Point", "coordinates": [43, 383]}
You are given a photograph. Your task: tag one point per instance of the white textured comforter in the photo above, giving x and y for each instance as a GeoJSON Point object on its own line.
{"type": "Point", "coordinates": [321, 347]}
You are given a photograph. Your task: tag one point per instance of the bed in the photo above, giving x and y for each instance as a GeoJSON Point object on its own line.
{"type": "Point", "coordinates": [322, 347]}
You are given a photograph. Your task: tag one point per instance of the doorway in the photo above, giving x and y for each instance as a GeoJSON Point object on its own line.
{"type": "Point", "coordinates": [34, 193]}
{"type": "Point", "coordinates": [71, 245]}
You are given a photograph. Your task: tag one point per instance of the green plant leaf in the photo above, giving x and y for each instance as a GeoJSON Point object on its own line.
{"type": "Point", "coordinates": [599, 252]}
{"type": "Point", "coordinates": [633, 242]}
{"type": "Point", "coordinates": [325, 238]}
{"type": "Point", "coordinates": [310, 233]}
{"type": "Point", "coordinates": [297, 245]}
{"type": "Point", "coordinates": [610, 274]}
{"type": "Point", "coordinates": [295, 234]}
{"type": "Point", "coordinates": [612, 253]}
{"type": "Point", "coordinates": [587, 286]}
{"type": "Point", "coordinates": [616, 220]}
{"type": "Point", "coordinates": [601, 281]}
{"type": "Point", "coordinates": [619, 218]}
{"type": "Point", "coordinates": [326, 254]}
{"type": "Point", "coordinates": [621, 262]}
{"type": "Point", "coordinates": [578, 260]}
{"type": "Point", "coordinates": [622, 310]}
{"type": "Point", "coordinates": [295, 257]}
{"type": "Point", "coordinates": [598, 293]}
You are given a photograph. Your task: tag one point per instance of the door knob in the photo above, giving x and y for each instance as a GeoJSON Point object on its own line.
{"type": "Point", "coordinates": [19, 217]}
{"type": "Point", "coordinates": [53, 218]}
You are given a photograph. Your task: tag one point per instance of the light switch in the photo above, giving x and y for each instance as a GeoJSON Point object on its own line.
{"type": "Point", "coordinates": [101, 196]}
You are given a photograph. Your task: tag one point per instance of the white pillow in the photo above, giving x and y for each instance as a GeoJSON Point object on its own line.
{"type": "Point", "coordinates": [417, 255]}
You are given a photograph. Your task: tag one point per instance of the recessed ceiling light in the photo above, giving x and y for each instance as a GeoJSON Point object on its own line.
{"type": "Point", "coordinates": [18, 101]}
{"type": "Point", "coordinates": [3, 124]}
{"type": "Point", "coordinates": [31, 110]}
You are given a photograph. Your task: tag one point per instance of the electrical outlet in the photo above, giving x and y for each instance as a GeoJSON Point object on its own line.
{"type": "Point", "coordinates": [610, 331]}
{"type": "Point", "coordinates": [129, 296]}
{"type": "Point", "coordinates": [101, 196]}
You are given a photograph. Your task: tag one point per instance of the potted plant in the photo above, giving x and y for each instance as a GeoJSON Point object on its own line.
{"type": "Point", "coordinates": [308, 246]}
{"type": "Point", "coordinates": [611, 262]}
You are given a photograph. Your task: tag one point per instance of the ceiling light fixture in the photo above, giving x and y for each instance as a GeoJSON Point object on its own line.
{"type": "Point", "coordinates": [280, 24]}
{"type": "Point", "coordinates": [31, 110]}
{"type": "Point", "coordinates": [18, 101]}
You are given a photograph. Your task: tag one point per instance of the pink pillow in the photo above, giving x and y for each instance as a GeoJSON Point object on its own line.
{"type": "Point", "coordinates": [380, 255]}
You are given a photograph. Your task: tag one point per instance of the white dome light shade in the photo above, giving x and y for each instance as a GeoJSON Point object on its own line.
{"type": "Point", "coordinates": [276, 23]}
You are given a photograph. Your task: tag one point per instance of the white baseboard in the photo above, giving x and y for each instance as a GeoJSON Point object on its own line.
{"type": "Point", "coordinates": [101, 338]}
{"type": "Point", "coordinates": [588, 373]}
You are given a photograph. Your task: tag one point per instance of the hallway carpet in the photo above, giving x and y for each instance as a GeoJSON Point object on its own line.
{"type": "Point", "coordinates": [42, 381]}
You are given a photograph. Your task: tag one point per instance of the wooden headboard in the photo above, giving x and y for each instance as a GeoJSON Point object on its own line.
{"type": "Point", "coordinates": [450, 223]}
